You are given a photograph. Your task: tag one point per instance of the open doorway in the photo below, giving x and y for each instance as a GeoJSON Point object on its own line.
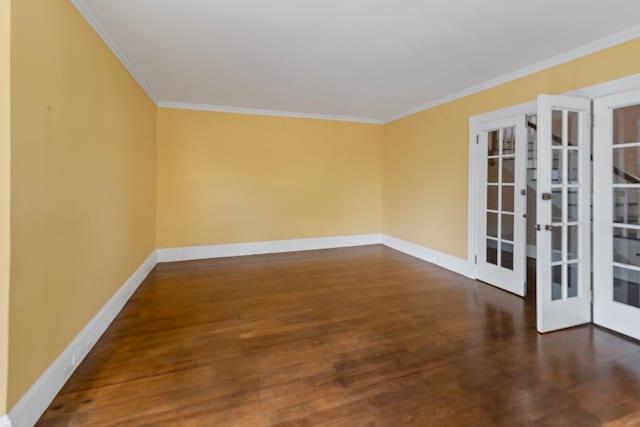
{"type": "Point", "coordinates": [532, 179]}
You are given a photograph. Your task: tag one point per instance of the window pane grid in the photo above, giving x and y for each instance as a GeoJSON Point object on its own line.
{"type": "Point", "coordinates": [500, 197]}
{"type": "Point", "coordinates": [566, 193]}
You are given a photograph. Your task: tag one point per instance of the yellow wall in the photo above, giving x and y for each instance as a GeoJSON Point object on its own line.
{"type": "Point", "coordinates": [95, 167]}
{"type": "Point", "coordinates": [228, 178]}
{"type": "Point", "coordinates": [426, 154]}
{"type": "Point", "coordinates": [5, 190]}
{"type": "Point", "coordinates": [83, 182]}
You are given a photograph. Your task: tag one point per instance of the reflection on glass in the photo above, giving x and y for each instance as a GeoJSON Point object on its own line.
{"type": "Point", "coordinates": [556, 244]}
{"type": "Point", "coordinates": [507, 256]}
{"type": "Point", "coordinates": [572, 205]}
{"type": "Point", "coordinates": [572, 241]}
{"type": "Point", "coordinates": [492, 252]}
{"type": "Point", "coordinates": [556, 127]}
{"type": "Point", "coordinates": [626, 286]}
{"type": "Point", "coordinates": [556, 282]}
{"type": "Point", "coordinates": [556, 205]}
{"type": "Point", "coordinates": [492, 197]}
{"type": "Point", "coordinates": [492, 170]}
{"type": "Point", "coordinates": [626, 125]}
{"type": "Point", "coordinates": [573, 166]}
{"type": "Point", "coordinates": [626, 165]}
{"type": "Point", "coordinates": [625, 205]}
{"type": "Point", "coordinates": [507, 198]}
{"type": "Point", "coordinates": [508, 141]}
{"type": "Point", "coordinates": [626, 246]}
{"type": "Point", "coordinates": [492, 224]}
{"type": "Point", "coordinates": [493, 143]}
{"type": "Point", "coordinates": [507, 227]}
{"type": "Point", "coordinates": [572, 128]}
{"type": "Point", "coordinates": [556, 166]}
{"type": "Point", "coordinates": [572, 280]}
{"type": "Point", "coordinates": [508, 167]}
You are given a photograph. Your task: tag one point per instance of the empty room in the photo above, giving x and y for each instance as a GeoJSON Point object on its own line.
{"type": "Point", "coordinates": [319, 213]}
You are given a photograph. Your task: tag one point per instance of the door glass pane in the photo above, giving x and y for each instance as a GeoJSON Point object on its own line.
{"type": "Point", "coordinates": [492, 170]}
{"type": "Point", "coordinates": [572, 280]}
{"type": "Point", "coordinates": [556, 166]}
{"type": "Point", "coordinates": [507, 227]}
{"type": "Point", "coordinates": [492, 197]}
{"type": "Point", "coordinates": [493, 143]}
{"type": "Point", "coordinates": [572, 241]}
{"type": "Point", "coordinates": [556, 244]}
{"type": "Point", "coordinates": [492, 252]}
{"type": "Point", "coordinates": [556, 282]}
{"type": "Point", "coordinates": [572, 205]}
{"type": "Point", "coordinates": [508, 166]}
{"type": "Point", "coordinates": [508, 141]}
{"type": "Point", "coordinates": [507, 198]}
{"type": "Point", "coordinates": [626, 246]}
{"type": "Point", "coordinates": [625, 205]}
{"type": "Point", "coordinates": [556, 127]}
{"type": "Point", "coordinates": [573, 166]}
{"type": "Point", "coordinates": [626, 124]}
{"type": "Point", "coordinates": [626, 165]}
{"type": "Point", "coordinates": [507, 256]}
{"type": "Point", "coordinates": [626, 286]}
{"type": "Point", "coordinates": [572, 128]}
{"type": "Point", "coordinates": [556, 205]}
{"type": "Point", "coordinates": [492, 224]}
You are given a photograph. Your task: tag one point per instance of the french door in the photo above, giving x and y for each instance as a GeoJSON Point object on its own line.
{"type": "Point", "coordinates": [616, 213]}
{"type": "Point", "coordinates": [563, 213]}
{"type": "Point", "coordinates": [501, 189]}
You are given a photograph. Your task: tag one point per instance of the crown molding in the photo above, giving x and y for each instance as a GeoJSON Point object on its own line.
{"type": "Point", "coordinates": [85, 10]}
{"type": "Point", "coordinates": [611, 40]}
{"type": "Point", "coordinates": [260, 112]}
{"type": "Point", "coordinates": [584, 50]}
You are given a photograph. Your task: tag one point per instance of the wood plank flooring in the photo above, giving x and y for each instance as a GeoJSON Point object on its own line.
{"type": "Point", "coordinates": [347, 337]}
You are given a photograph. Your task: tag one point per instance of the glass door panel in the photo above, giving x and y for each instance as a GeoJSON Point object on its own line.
{"type": "Point", "coordinates": [563, 213]}
{"type": "Point", "coordinates": [502, 204]}
{"type": "Point", "coordinates": [616, 213]}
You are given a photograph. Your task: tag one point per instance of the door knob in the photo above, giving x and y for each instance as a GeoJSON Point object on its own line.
{"type": "Point", "coordinates": [548, 227]}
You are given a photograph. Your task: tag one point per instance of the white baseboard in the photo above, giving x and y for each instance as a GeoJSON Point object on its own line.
{"type": "Point", "coordinates": [36, 400]}
{"type": "Point", "coordinates": [256, 248]}
{"type": "Point", "coordinates": [449, 262]}
{"type": "Point", "coordinates": [443, 260]}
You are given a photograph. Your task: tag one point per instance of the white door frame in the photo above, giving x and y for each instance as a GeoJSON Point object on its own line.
{"type": "Point", "coordinates": [475, 124]}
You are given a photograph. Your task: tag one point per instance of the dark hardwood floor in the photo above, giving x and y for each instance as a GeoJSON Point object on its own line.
{"type": "Point", "coordinates": [347, 337]}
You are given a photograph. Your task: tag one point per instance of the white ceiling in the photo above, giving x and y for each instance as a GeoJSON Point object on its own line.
{"type": "Point", "coordinates": [368, 59]}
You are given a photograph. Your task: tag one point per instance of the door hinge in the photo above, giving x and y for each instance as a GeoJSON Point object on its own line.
{"type": "Point", "coordinates": [477, 139]}
{"type": "Point", "coordinates": [476, 259]}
